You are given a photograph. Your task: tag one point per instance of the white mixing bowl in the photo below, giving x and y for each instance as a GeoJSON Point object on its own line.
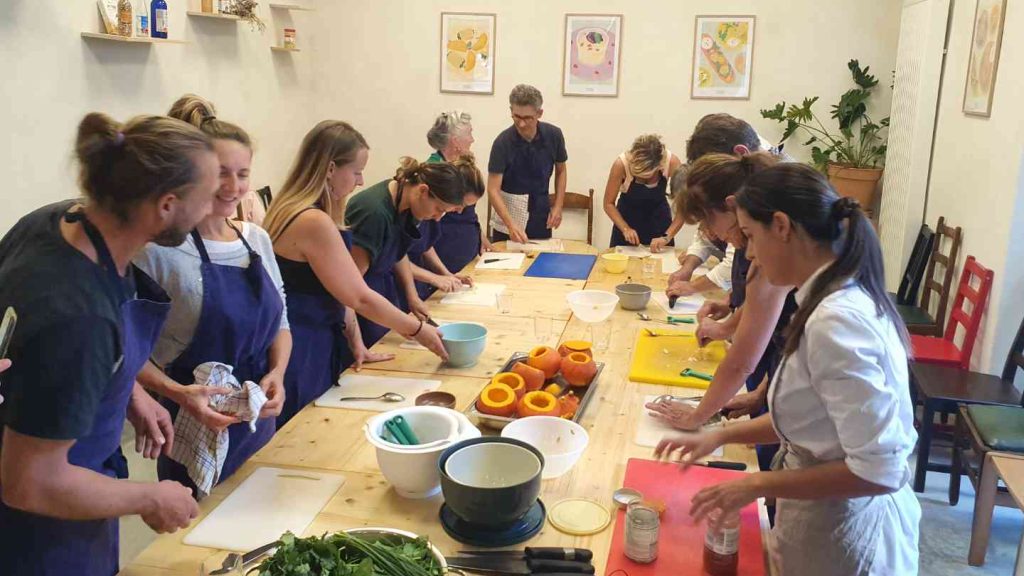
{"type": "Point", "coordinates": [561, 441]}
{"type": "Point", "coordinates": [592, 305]}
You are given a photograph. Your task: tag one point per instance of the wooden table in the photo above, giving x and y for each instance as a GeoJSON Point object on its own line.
{"type": "Point", "coordinates": [329, 439]}
{"type": "Point", "coordinates": [1009, 468]}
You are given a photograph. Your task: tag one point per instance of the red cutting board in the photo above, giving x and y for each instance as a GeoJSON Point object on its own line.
{"type": "Point", "coordinates": [681, 541]}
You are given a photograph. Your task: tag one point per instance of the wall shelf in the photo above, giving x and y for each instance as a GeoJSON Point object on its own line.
{"type": "Point", "coordinates": [212, 15]}
{"type": "Point", "coordinates": [128, 40]}
{"type": "Point", "coordinates": [283, 49]}
{"type": "Point", "coordinates": [295, 7]}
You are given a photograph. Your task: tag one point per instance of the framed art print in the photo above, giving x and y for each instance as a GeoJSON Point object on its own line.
{"type": "Point", "coordinates": [723, 56]}
{"type": "Point", "coordinates": [592, 52]}
{"type": "Point", "coordinates": [467, 52]}
{"type": "Point", "coordinates": [984, 62]}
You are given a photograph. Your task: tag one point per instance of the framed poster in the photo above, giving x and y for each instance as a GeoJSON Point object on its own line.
{"type": "Point", "coordinates": [592, 54]}
{"type": "Point", "coordinates": [467, 52]}
{"type": "Point", "coordinates": [723, 57]}
{"type": "Point", "coordinates": [984, 62]}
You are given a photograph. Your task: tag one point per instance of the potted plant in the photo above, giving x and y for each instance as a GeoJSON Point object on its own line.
{"type": "Point", "coordinates": [854, 156]}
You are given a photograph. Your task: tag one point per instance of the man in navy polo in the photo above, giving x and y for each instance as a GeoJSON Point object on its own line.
{"type": "Point", "coordinates": [523, 157]}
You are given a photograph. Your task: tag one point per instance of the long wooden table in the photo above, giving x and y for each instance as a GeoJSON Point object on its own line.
{"type": "Point", "coordinates": [329, 439]}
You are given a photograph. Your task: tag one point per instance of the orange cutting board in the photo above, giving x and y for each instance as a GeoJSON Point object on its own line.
{"type": "Point", "coordinates": [660, 359]}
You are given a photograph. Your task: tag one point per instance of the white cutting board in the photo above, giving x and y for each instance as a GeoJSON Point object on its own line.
{"type": "Point", "coordinates": [550, 245]}
{"type": "Point", "coordinates": [269, 503]}
{"type": "Point", "coordinates": [685, 304]}
{"type": "Point", "coordinates": [506, 261]}
{"type": "Point", "coordinates": [480, 294]}
{"type": "Point", "coordinates": [650, 431]}
{"type": "Point", "coordinates": [369, 386]}
{"type": "Point", "coordinates": [634, 251]}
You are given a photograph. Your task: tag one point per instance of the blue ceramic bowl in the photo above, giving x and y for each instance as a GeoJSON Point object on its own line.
{"type": "Point", "coordinates": [464, 341]}
{"type": "Point", "coordinates": [491, 481]}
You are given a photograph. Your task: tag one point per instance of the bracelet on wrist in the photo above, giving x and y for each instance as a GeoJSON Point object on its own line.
{"type": "Point", "coordinates": [418, 330]}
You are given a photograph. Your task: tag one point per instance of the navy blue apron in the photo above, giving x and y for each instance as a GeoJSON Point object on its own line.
{"type": "Point", "coordinates": [240, 318]}
{"type": "Point", "coordinates": [380, 276]}
{"type": "Point", "coordinates": [740, 267]}
{"type": "Point", "coordinates": [320, 351]}
{"type": "Point", "coordinates": [42, 546]}
{"type": "Point", "coordinates": [459, 243]}
{"type": "Point", "coordinates": [430, 233]}
{"type": "Point", "coordinates": [646, 210]}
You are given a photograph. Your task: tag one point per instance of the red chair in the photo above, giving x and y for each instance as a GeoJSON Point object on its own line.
{"type": "Point", "coordinates": [944, 351]}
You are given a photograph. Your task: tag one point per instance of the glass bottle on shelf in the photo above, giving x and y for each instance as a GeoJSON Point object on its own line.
{"type": "Point", "coordinates": [158, 19]}
{"type": "Point", "coordinates": [141, 19]}
{"type": "Point", "coordinates": [125, 22]}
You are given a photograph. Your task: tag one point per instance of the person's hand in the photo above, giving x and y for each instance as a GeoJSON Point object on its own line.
{"type": "Point", "coordinates": [690, 446]}
{"type": "Point", "coordinates": [517, 234]}
{"type": "Point", "coordinates": [446, 283]}
{"type": "Point", "coordinates": [676, 414]}
{"type": "Point", "coordinates": [727, 497]}
{"type": "Point", "coordinates": [171, 507]}
{"type": "Point", "coordinates": [709, 331]}
{"type": "Point", "coordinates": [631, 237]}
{"type": "Point", "coordinates": [361, 355]}
{"type": "Point", "coordinates": [555, 217]}
{"type": "Point", "coordinates": [154, 430]}
{"type": "Point", "coordinates": [714, 309]}
{"type": "Point", "coordinates": [465, 279]}
{"type": "Point", "coordinates": [681, 289]}
{"type": "Point", "coordinates": [485, 246]}
{"type": "Point", "coordinates": [679, 276]}
{"type": "Point", "coordinates": [4, 365]}
{"type": "Point", "coordinates": [273, 386]}
{"type": "Point", "coordinates": [658, 244]}
{"type": "Point", "coordinates": [418, 308]}
{"type": "Point", "coordinates": [746, 404]}
{"type": "Point", "coordinates": [196, 400]}
{"type": "Point", "coordinates": [430, 338]}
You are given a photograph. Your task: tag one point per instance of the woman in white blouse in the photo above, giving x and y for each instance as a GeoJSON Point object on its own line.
{"type": "Point", "coordinates": [840, 404]}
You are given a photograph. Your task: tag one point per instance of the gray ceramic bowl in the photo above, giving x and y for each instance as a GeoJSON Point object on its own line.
{"type": "Point", "coordinates": [633, 296]}
{"type": "Point", "coordinates": [491, 481]}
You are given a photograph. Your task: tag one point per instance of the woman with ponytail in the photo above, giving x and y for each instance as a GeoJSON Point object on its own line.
{"type": "Point", "coordinates": [839, 402]}
{"type": "Point", "coordinates": [384, 220]}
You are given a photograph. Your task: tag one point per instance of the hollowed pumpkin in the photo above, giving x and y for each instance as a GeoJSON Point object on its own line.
{"type": "Point", "coordinates": [497, 400]}
{"type": "Point", "coordinates": [513, 381]}
{"type": "Point", "coordinates": [578, 369]}
{"type": "Point", "coordinates": [538, 404]}
{"type": "Point", "coordinates": [545, 359]}
{"type": "Point", "coordinates": [534, 377]}
{"type": "Point", "coordinates": [570, 346]}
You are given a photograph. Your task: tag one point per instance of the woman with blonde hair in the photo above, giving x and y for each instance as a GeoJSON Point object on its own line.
{"type": "Point", "coordinates": [228, 306]}
{"type": "Point", "coordinates": [320, 276]}
{"type": "Point", "coordinates": [385, 218]}
{"type": "Point", "coordinates": [636, 195]}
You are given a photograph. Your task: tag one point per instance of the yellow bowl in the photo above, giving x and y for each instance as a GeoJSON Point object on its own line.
{"type": "Point", "coordinates": [614, 263]}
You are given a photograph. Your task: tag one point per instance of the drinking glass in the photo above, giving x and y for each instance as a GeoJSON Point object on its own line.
{"type": "Point", "coordinates": [542, 328]}
{"type": "Point", "coordinates": [504, 302]}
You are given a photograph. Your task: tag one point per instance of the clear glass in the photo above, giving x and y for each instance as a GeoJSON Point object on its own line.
{"type": "Point", "coordinates": [542, 328]}
{"type": "Point", "coordinates": [634, 268]}
{"type": "Point", "coordinates": [504, 302]}
{"type": "Point", "coordinates": [600, 335]}
{"type": "Point", "coordinates": [650, 266]}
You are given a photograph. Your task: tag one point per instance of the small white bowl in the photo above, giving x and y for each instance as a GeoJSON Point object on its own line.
{"type": "Point", "coordinates": [592, 305]}
{"type": "Point", "coordinates": [561, 441]}
{"type": "Point", "coordinates": [492, 465]}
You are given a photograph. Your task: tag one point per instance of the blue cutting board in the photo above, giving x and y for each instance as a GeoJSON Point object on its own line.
{"type": "Point", "coordinates": [567, 266]}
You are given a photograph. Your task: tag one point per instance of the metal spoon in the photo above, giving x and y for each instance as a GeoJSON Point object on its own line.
{"type": "Point", "coordinates": [647, 318]}
{"type": "Point", "coordinates": [654, 334]}
{"type": "Point", "coordinates": [386, 397]}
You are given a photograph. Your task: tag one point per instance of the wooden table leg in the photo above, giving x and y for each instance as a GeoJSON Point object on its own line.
{"type": "Point", "coordinates": [924, 445]}
{"type": "Point", "coordinates": [984, 505]}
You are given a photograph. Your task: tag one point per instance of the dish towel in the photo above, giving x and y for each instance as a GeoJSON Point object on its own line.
{"type": "Point", "coordinates": [202, 450]}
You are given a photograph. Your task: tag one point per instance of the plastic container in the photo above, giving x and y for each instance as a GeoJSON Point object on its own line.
{"type": "Point", "coordinates": [561, 441]}
{"type": "Point", "coordinates": [412, 470]}
{"type": "Point", "coordinates": [614, 263]}
{"type": "Point", "coordinates": [464, 341]}
{"type": "Point", "coordinates": [592, 305]}
{"type": "Point", "coordinates": [633, 296]}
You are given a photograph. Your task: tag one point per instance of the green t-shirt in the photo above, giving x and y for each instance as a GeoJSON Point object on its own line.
{"type": "Point", "coordinates": [372, 218]}
{"type": "Point", "coordinates": [435, 158]}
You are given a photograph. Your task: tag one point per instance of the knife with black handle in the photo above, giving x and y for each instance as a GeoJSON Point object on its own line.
{"type": "Point", "coordinates": [545, 553]}
{"type": "Point", "coordinates": [512, 565]}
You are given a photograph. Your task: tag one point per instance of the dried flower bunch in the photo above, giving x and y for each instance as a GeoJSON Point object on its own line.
{"type": "Point", "coordinates": [246, 10]}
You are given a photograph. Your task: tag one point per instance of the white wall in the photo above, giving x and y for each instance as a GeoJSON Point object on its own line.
{"type": "Point", "coordinates": [382, 62]}
{"type": "Point", "coordinates": [976, 177]}
{"type": "Point", "coordinates": [52, 77]}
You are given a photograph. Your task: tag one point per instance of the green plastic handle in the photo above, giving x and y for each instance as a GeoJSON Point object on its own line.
{"type": "Point", "coordinates": [396, 431]}
{"type": "Point", "coordinates": [677, 320]}
{"type": "Point", "coordinates": [406, 430]}
{"type": "Point", "coordinates": [691, 373]}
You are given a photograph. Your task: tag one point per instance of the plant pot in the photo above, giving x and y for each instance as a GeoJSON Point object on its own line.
{"type": "Point", "coordinates": [857, 183]}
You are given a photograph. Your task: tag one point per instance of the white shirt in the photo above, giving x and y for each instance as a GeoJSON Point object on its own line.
{"type": "Point", "coordinates": [721, 274]}
{"type": "Point", "coordinates": [844, 393]}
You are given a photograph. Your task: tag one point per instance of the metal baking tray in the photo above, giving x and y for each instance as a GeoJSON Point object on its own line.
{"type": "Point", "coordinates": [498, 422]}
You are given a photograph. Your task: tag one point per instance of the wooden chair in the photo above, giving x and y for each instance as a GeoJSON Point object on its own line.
{"type": "Point", "coordinates": [910, 284]}
{"type": "Point", "coordinates": [918, 318]}
{"type": "Point", "coordinates": [933, 350]}
{"type": "Point", "coordinates": [265, 196]}
{"type": "Point", "coordinates": [574, 201]}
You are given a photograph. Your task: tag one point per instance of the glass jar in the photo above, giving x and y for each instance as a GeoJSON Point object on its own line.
{"type": "Point", "coordinates": [643, 524]}
{"type": "Point", "coordinates": [722, 543]}
{"type": "Point", "coordinates": [289, 38]}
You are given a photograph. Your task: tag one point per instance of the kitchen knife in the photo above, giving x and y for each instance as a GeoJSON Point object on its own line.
{"type": "Point", "coordinates": [547, 553]}
{"type": "Point", "coordinates": [253, 555]}
{"type": "Point", "coordinates": [672, 301]}
{"type": "Point", "coordinates": [505, 565]}
{"type": "Point", "coordinates": [723, 465]}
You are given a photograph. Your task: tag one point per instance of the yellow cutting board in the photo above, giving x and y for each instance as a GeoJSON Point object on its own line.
{"type": "Point", "coordinates": [660, 359]}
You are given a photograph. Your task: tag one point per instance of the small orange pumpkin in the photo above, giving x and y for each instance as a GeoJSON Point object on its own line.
{"type": "Point", "coordinates": [578, 369]}
{"type": "Point", "coordinates": [545, 359]}
{"type": "Point", "coordinates": [570, 346]}
{"type": "Point", "coordinates": [497, 400]}
{"type": "Point", "coordinates": [534, 377]}
{"type": "Point", "coordinates": [538, 404]}
{"type": "Point", "coordinates": [513, 381]}
{"type": "Point", "coordinates": [569, 404]}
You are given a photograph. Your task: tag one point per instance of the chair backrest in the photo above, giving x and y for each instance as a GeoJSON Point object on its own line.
{"type": "Point", "coordinates": [574, 201]}
{"type": "Point", "coordinates": [266, 197]}
{"type": "Point", "coordinates": [1015, 359]}
{"type": "Point", "coordinates": [947, 261]}
{"type": "Point", "coordinates": [971, 321]}
{"type": "Point", "coordinates": [910, 285]}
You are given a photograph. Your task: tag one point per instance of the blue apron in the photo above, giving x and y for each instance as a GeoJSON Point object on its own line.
{"type": "Point", "coordinates": [459, 243]}
{"type": "Point", "coordinates": [740, 267]}
{"type": "Point", "coordinates": [240, 318]}
{"type": "Point", "coordinates": [380, 276]}
{"type": "Point", "coordinates": [42, 546]}
{"type": "Point", "coordinates": [430, 233]}
{"type": "Point", "coordinates": [646, 210]}
{"type": "Point", "coordinates": [320, 351]}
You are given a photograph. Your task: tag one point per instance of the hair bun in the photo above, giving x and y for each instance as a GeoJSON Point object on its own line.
{"type": "Point", "coordinates": [844, 208]}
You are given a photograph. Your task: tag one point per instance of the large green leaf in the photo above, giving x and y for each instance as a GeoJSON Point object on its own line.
{"type": "Point", "coordinates": [776, 113]}
{"type": "Point", "coordinates": [861, 76]}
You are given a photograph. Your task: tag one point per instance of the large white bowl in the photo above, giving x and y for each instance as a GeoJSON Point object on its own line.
{"type": "Point", "coordinates": [412, 470]}
{"type": "Point", "coordinates": [492, 465]}
{"type": "Point", "coordinates": [592, 305]}
{"type": "Point", "coordinates": [561, 441]}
